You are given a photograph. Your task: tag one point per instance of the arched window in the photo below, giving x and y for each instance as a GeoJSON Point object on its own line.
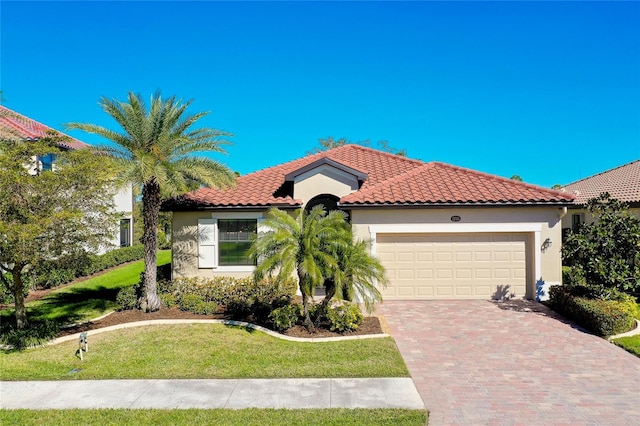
{"type": "Point", "coordinates": [328, 201]}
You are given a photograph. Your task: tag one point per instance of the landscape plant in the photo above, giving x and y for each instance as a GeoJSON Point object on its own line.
{"type": "Point", "coordinates": [606, 252]}
{"type": "Point", "coordinates": [49, 214]}
{"type": "Point", "coordinates": [304, 244]}
{"type": "Point", "coordinates": [155, 151]}
{"type": "Point", "coordinates": [344, 316]}
{"type": "Point", "coordinates": [357, 272]}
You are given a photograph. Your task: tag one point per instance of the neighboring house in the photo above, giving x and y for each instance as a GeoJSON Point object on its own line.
{"type": "Point", "coordinates": [622, 183]}
{"type": "Point", "coordinates": [441, 231]}
{"type": "Point", "coordinates": [15, 125]}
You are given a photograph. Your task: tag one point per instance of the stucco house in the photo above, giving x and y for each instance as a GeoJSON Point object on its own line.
{"type": "Point", "coordinates": [622, 183]}
{"type": "Point", "coordinates": [16, 125]}
{"type": "Point", "coordinates": [441, 231]}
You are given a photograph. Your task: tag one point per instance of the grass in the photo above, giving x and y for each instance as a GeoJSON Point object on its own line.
{"type": "Point", "coordinates": [246, 417]}
{"type": "Point", "coordinates": [90, 298]}
{"type": "Point", "coordinates": [630, 344]}
{"type": "Point", "coordinates": [203, 351]}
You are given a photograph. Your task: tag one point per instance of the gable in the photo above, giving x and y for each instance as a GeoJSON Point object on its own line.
{"type": "Point", "coordinates": [324, 179]}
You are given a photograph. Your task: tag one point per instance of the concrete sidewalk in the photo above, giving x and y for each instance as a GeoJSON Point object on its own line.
{"type": "Point", "coordinates": [217, 393]}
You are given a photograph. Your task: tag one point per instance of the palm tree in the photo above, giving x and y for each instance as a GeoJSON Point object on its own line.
{"type": "Point", "coordinates": [358, 272]}
{"type": "Point", "coordinates": [155, 151]}
{"type": "Point", "coordinates": [306, 244]}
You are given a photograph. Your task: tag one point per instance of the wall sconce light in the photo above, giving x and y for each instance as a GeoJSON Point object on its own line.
{"type": "Point", "coordinates": [546, 244]}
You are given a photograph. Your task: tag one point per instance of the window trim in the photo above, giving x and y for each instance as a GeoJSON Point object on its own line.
{"type": "Point", "coordinates": [211, 224]}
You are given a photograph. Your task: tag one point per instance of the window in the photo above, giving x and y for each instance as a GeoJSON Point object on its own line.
{"type": "Point", "coordinates": [576, 221]}
{"type": "Point", "coordinates": [235, 237]}
{"type": "Point", "coordinates": [225, 242]}
{"type": "Point", "coordinates": [47, 162]}
{"type": "Point", "coordinates": [125, 232]}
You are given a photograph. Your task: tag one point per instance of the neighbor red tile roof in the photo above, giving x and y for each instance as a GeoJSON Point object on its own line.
{"type": "Point", "coordinates": [16, 125]}
{"type": "Point", "coordinates": [390, 180]}
{"type": "Point", "coordinates": [622, 183]}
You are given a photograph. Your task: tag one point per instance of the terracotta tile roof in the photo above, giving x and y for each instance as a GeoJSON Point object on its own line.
{"type": "Point", "coordinates": [390, 180]}
{"type": "Point", "coordinates": [622, 182]}
{"type": "Point", "coordinates": [13, 124]}
{"type": "Point", "coordinates": [439, 183]}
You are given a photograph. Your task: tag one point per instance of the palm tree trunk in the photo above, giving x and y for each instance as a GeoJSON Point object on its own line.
{"type": "Point", "coordinates": [305, 300]}
{"type": "Point", "coordinates": [330, 291]}
{"type": "Point", "coordinates": [150, 302]}
{"type": "Point", "coordinates": [18, 296]}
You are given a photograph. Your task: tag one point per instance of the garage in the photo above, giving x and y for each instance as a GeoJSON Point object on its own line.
{"type": "Point", "coordinates": [454, 266]}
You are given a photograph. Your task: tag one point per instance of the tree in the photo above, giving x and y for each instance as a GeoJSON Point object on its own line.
{"type": "Point", "coordinates": [556, 186]}
{"type": "Point", "coordinates": [357, 272]}
{"type": "Point", "coordinates": [45, 215]}
{"type": "Point", "coordinates": [304, 244]}
{"type": "Point", "coordinates": [606, 252]}
{"type": "Point", "coordinates": [516, 177]}
{"type": "Point", "coordinates": [155, 151]}
{"type": "Point", "coordinates": [330, 142]}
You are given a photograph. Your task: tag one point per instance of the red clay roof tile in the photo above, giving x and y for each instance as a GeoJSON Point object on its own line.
{"type": "Point", "coordinates": [390, 180]}
{"type": "Point", "coordinates": [13, 124]}
{"type": "Point", "coordinates": [622, 182]}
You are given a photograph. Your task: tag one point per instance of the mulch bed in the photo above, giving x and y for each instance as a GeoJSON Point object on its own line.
{"type": "Point", "coordinates": [370, 325]}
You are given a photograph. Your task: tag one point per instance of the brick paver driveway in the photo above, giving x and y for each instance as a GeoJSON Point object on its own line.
{"type": "Point", "coordinates": [480, 362]}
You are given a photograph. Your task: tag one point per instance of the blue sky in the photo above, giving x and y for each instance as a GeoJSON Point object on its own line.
{"type": "Point", "coordinates": [546, 90]}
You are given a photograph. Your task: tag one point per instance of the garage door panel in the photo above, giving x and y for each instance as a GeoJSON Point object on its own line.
{"type": "Point", "coordinates": [473, 266]}
{"type": "Point", "coordinates": [464, 256]}
{"type": "Point", "coordinates": [464, 273]}
{"type": "Point", "coordinates": [424, 256]}
{"type": "Point", "coordinates": [425, 274]}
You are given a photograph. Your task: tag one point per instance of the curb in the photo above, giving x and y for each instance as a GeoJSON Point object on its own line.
{"type": "Point", "coordinates": [215, 321]}
{"type": "Point", "coordinates": [633, 332]}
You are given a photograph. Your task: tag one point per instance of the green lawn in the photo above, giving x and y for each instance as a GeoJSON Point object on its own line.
{"type": "Point", "coordinates": [203, 351]}
{"type": "Point", "coordinates": [90, 298]}
{"type": "Point", "coordinates": [631, 344]}
{"type": "Point", "coordinates": [246, 417]}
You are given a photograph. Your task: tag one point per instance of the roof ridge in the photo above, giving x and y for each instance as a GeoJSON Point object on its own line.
{"type": "Point", "coordinates": [277, 166]}
{"type": "Point", "coordinates": [403, 175]}
{"type": "Point", "coordinates": [500, 178]}
{"type": "Point", "coordinates": [602, 172]}
{"type": "Point", "coordinates": [379, 151]}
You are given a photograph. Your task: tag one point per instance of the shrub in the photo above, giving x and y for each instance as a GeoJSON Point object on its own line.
{"type": "Point", "coordinates": [61, 271]}
{"type": "Point", "coordinates": [572, 276]}
{"type": "Point", "coordinates": [36, 333]}
{"type": "Point", "coordinates": [241, 297]}
{"type": "Point", "coordinates": [189, 302]}
{"type": "Point", "coordinates": [238, 309]}
{"type": "Point", "coordinates": [607, 251]}
{"type": "Point", "coordinates": [344, 316]}
{"type": "Point", "coordinates": [127, 298]}
{"type": "Point", "coordinates": [168, 299]}
{"type": "Point", "coordinates": [603, 317]}
{"type": "Point", "coordinates": [285, 317]}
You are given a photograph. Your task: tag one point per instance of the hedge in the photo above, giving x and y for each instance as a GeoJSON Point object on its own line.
{"type": "Point", "coordinates": [61, 271]}
{"type": "Point", "coordinates": [602, 317]}
{"type": "Point", "coordinates": [240, 298]}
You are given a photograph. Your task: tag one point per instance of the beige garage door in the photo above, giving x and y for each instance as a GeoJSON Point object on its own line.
{"type": "Point", "coordinates": [453, 266]}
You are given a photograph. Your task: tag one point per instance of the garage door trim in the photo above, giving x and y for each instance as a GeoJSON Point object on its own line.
{"type": "Point", "coordinates": [457, 228]}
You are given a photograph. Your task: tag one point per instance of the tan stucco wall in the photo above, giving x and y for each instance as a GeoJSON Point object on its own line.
{"type": "Point", "coordinates": [324, 180]}
{"type": "Point", "coordinates": [588, 218]}
{"type": "Point", "coordinates": [548, 219]}
{"type": "Point", "coordinates": [185, 245]}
